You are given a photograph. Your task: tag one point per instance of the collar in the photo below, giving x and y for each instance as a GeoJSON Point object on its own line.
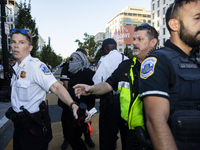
{"type": "Point", "coordinates": [23, 63]}
{"type": "Point", "coordinates": [169, 44]}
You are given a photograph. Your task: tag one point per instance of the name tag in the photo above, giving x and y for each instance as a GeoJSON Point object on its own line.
{"type": "Point", "coordinates": [187, 66]}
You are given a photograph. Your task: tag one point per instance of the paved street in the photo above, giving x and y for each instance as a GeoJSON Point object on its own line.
{"type": "Point", "coordinates": [55, 113]}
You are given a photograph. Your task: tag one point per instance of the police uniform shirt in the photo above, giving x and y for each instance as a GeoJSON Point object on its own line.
{"type": "Point", "coordinates": [106, 65]}
{"type": "Point", "coordinates": [30, 82]}
{"type": "Point", "coordinates": [120, 75]}
{"type": "Point", "coordinates": [157, 74]}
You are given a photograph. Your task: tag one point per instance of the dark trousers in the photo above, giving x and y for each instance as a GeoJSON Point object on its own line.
{"type": "Point", "coordinates": [74, 134]}
{"type": "Point", "coordinates": [64, 124]}
{"type": "Point", "coordinates": [108, 124]}
{"type": "Point", "coordinates": [31, 138]}
{"type": "Point", "coordinates": [128, 137]}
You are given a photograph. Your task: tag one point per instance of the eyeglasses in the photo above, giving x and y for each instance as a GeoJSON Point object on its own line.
{"type": "Point", "coordinates": [22, 31]}
{"type": "Point", "coordinates": [145, 25]}
{"type": "Point", "coordinates": [72, 58]}
{"type": "Point", "coordinates": [173, 5]}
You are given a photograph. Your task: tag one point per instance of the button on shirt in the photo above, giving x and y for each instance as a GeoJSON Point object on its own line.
{"type": "Point", "coordinates": [30, 82]}
{"type": "Point", "coordinates": [106, 66]}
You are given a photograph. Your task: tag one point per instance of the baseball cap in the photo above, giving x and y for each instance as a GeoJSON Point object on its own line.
{"type": "Point", "coordinates": [108, 41]}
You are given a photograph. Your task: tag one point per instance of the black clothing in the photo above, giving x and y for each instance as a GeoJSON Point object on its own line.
{"type": "Point", "coordinates": [109, 118]}
{"type": "Point", "coordinates": [121, 74]}
{"type": "Point", "coordinates": [176, 77]}
{"type": "Point", "coordinates": [72, 134]}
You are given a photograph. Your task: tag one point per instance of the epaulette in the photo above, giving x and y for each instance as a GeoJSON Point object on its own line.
{"type": "Point", "coordinates": [155, 48]}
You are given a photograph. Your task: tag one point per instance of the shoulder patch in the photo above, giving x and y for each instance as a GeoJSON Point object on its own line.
{"type": "Point", "coordinates": [98, 64]}
{"type": "Point", "coordinates": [44, 69]}
{"type": "Point", "coordinates": [147, 67]}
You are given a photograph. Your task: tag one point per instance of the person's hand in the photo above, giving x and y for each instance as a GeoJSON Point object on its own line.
{"type": "Point", "coordinates": [88, 118]}
{"type": "Point", "coordinates": [82, 89]}
{"type": "Point", "coordinates": [74, 109]}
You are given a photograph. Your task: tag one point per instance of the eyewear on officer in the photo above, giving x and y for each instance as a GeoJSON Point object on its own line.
{"type": "Point", "coordinates": [22, 31]}
{"type": "Point", "coordinates": [147, 26]}
{"type": "Point", "coordinates": [173, 5]}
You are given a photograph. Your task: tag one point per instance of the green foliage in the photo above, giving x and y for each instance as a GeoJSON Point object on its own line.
{"type": "Point", "coordinates": [128, 52]}
{"type": "Point", "coordinates": [48, 55]}
{"type": "Point", "coordinates": [88, 44]}
{"type": "Point", "coordinates": [25, 21]}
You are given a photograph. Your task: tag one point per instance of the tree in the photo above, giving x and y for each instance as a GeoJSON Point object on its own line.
{"type": "Point", "coordinates": [128, 52]}
{"type": "Point", "coordinates": [25, 21]}
{"type": "Point", "coordinates": [48, 55]}
{"type": "Point", "coordinates": [88, 44]}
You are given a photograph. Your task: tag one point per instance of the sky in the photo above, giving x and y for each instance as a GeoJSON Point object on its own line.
{"type": "Point", "coordinates": [64, 21]}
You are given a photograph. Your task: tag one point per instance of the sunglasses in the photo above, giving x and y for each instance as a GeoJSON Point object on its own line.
{"type": "Point", "coordinates": [72, 58]}
{"type": "Point", "coordinates": [145, 25]}
{"type": "Point", "coordinates": [22, 31]}
{"type": "Point", "coordinates": [173, 5]}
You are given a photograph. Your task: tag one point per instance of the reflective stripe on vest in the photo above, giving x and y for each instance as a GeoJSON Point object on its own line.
{"type": "Point", "coordinates": [133, 115]}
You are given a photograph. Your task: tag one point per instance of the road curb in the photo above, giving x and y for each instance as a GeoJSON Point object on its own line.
{"type": "Point", "coordinates": [4, 124]}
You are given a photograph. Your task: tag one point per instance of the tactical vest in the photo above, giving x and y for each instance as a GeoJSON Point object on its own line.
{"type": "Point", "coordinates": [184, 119]}
{"type": "Point", "coordinates": [131, 109]}
{"type": "Point", "coordinates": [185, 94]}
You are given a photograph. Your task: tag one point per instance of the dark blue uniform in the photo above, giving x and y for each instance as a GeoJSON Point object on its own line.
{"type": "Point", "coordinates": [172, 74]}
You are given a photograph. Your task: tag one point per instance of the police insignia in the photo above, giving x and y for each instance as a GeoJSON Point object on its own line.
{"type": "Point", "coordinates": [23, 74]}
{"type": "Point", "coordinates": [98, 64]}
{"type": "Point", "coordinates": [44, 69]}
{"type": "Point", "coordinates": [147, 68]}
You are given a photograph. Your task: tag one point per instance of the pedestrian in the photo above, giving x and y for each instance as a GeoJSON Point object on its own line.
{"type": "Point", "coordinates": [30, 82]}
{"type": "Point", "coordinates": [109, 103]}
{"type": "Point", "coordinates": [125, 80]}
{"type": "Point", "coordinates": [69, 79]}
{"type": "Point", "coordinates": [170, 82]}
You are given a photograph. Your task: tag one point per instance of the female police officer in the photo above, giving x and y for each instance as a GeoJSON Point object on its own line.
{"type": "Point", "coordinates": [30, 82]}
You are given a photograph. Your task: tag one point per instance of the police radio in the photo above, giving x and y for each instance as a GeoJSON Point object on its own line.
{"type": "Point", "coordinates": [81, 116]}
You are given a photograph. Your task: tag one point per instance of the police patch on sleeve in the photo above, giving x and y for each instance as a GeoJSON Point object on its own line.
{"type": "Point", "coordinates": [147, 67]}
{"type": "Point", "coordinates": [44, 69]}
{"type": "Point", "coordinates": [98, 64]}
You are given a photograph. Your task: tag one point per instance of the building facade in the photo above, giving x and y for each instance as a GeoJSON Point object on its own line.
{"type": "Point", "coordinates": [121, 27]}
{"type": "Point", "coordinates": [158, 11]}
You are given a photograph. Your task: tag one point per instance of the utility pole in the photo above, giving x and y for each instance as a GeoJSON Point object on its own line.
{"type": "Point", "coordinates": [4, 43]}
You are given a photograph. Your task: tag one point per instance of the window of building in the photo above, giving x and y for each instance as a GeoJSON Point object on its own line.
{"type": "Point", "coordinates": [163, 31]}
{"type": "Point", "coordinates": [144, 15]}
{"type": "Point", "coordinates": [158, 23]}
{"type": "Point", "coordinates": [136, 20]}
{"type": "Point", "coordinates": [164, 10]}
{"type": "Point", "coordinates": [163, 21]}
{"type": "Point", "coordinates": [149, 21]}
{"type": "Point", "coordinates": [164, 1]}
{"type": "Point", "coordinates": [153, 16]}
{"type": "Point", "coordinates": [153, 6]}
{"type": "Point", "coordinates": [158, 13]}
{"type": "Point", "coordinates": [163, 40]}
{"type": "Point", "coordinates": [120, 50]}
{"type": "Point", "coordinates": [128, 19]}
{"type": "Point", "coordinates": [153, 24]}
{"type": "Point", "coordinates": [129, 14]}
{"type": "Point", "coordinates": [144, 20]}
{"type": "Point", "coordinates": [158, 3]}
{"type": "Point", "coordinates": [134, 14]}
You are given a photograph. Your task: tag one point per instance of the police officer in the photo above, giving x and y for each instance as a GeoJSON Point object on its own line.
{"type": "Point", "coordinates": [170, 81]}
{"type": "Point", "coordinates": [30, 82]}
{"type": "Point", "coordinates": [125, 79]}
{"type": "Point", "coordinates": [109, 104]}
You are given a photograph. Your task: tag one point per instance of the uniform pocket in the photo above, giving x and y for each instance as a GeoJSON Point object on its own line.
{"type": "Point", "coordinates": [23, 88]}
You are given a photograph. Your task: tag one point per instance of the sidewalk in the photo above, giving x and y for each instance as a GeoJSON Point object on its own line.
{"type": "Point", "coordinates": [4, 121]}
